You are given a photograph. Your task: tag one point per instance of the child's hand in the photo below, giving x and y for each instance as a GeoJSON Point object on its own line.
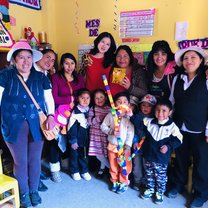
{"type": "Point", "coordinates": [74, 146]}
{"type": "Point", "coordinates": [135, 146]}
{"type": "Point", "coordinates": [206, 139]}
{"type": "Point", "coordinates": [125, 152]}
{"type": "Point", "coordinates": [116, 133]}
{"type": "Point", "coordinates": [164, 149]}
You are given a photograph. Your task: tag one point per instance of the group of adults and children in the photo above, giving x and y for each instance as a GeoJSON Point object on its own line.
{"type": "Point", "coordinates": [164, 104]}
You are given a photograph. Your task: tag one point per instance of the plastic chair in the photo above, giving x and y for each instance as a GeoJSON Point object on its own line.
{"type": "Point", "coordinates": [8, 188]}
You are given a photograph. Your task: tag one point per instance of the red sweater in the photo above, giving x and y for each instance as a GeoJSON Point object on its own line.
{"type": "Point", "coordinates": [94, 73]}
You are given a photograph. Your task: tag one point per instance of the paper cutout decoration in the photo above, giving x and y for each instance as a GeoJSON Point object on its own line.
{"type": "Point", "coordinates": [35, 4]}
{"type": "Point", "coordinates": [118, 75]}
{"type": "Point", "coordinates": [195, 42]}
{"type": "Point", "coordinates": [6, 40]}
{"type": "Point", "coordinates": [4, 13]}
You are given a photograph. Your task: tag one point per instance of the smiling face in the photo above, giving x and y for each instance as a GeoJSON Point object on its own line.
{"type": "Point", "coordinates": [69, 65]}
{"type": "Point", "coordinates": [122, 59]}
{"type": "Point", "coordinates": [191, 62]}
{"type": "Point", "coordinates": [160, 58]}
{"type": "Point", "coordinates": [47, 61]}
{"type": "Point", "coordinates": [104, 45]}
{"type": "Point", "coordinates": [84, 99]}
{"type": "Point", "coordinates": [100, 99]}
{"type": "Point", "coordinates": [162, 112]}
{"type": "Point", "coordinates": [24, 61]}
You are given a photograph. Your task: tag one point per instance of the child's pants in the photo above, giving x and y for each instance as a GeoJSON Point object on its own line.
{"type": "Point", "coordinates": [138, 168]}
{"type": "Point", "coordinates": [116, 170]}
{"type": "Point", "coordinates": [156, 176]}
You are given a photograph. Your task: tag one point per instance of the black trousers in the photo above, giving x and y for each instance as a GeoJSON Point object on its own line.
{"type": "Point", "coordinates": [193, 145]}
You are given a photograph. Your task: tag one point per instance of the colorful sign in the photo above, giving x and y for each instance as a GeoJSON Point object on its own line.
{"type": "Point", "coordinates": [4, 13]}
{"type": "Point", "coordinates": [137, 23]}
{"type": "Point", "coordinates": [32, 4]}
{"type": "Point", "coordinates": [6, 40]}
{"type": "Point", "coordinates": [195, 42]}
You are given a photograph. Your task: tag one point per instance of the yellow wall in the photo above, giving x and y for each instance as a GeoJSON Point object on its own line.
{"type": "Point", "coordinates": [57, 18]}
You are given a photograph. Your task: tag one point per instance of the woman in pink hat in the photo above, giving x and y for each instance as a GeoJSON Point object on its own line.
{"type": "Point", "coordinates": [189, 95]}
{"type": "Point", "coordinates": [20, 121]}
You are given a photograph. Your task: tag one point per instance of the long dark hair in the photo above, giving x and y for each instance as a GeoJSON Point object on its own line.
{"type": "Point", "coordinates": [108, 55]}
{"type": "Point", "coordinates": [61, 71]}
{"type": "Point", "coordinates": [160, 45]}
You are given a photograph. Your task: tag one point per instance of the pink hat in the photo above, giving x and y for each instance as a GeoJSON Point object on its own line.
{"type": "Point", "coordinates": [149, 99]}
{"type": "Point", "coordinates": [21, 45]}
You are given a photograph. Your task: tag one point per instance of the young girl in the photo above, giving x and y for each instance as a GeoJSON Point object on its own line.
{"type": "Point", "coordinates": [78, 136]}
{"type": "Point", "coordinates": [98, 140]}
{"type": "Point", "coordinates": [99, 60]}
{"type": "Point", "coordinates": [126, 134]}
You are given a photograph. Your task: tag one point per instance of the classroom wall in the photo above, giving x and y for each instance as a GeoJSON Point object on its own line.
{"type": "Point", "coordinates": [64, 21]}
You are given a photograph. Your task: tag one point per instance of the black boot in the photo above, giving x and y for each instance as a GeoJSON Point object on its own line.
{"type": "Point", "coordinates": [42, 186]}
{"type": "Point", "coordinates": [35, 198]}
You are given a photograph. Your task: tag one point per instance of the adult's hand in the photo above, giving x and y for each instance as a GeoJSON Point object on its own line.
{"type": "Point", "coordinates": [50, 123]}
{"type": "Point", "coordinates": [126, 83]}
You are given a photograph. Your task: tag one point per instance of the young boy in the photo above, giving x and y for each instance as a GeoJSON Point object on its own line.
{"type": "Point", "coordinates": [126, 134]}
{"type": "Point", "coordinates": [162, 136]}
{"type": "Point", "coordinates": [146, 108]}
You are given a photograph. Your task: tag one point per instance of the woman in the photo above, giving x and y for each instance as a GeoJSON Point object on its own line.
{"type": "Point", "coordinates": [20, 121]}
{"type": "Point", "coordinates": [99, 60]}
{"type": "Point", "coordinates": [47, 63]}
{"type": "Point", "coordinates": [135, 79]}
{"type": "Point", "coordinates": [64, 84]}
{"type": "Point", "coordinates": [189, 95]}
{"type": "Point", "coordinates": [160, 69]}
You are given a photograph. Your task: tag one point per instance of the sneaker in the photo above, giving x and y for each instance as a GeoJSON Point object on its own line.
{"type": "Point", "coordinates": [35, 198]}
{"type": "Point", "coordinates": [76, 176]}
{"type": "Point", "coordinates": [197, 202]}
{"type": "Point", "coordinates": [42, 186]}
{"type": "Point", "coordinates": [56, 177]}
{"type": "Point", "coordinates": [115, 186]}
{"type": "Point", "coordinates": [158, 198]}
{"type": "Point", "coordinates": [147, 194]}
{"type": "Point", "coordinates": [25, 200]}
{"type": "Point", "coordinates": [122, 188]}
{"type": "Point", "coordinates": [86, 176]}
{"type": "Point", "coordinates": [172, 193]}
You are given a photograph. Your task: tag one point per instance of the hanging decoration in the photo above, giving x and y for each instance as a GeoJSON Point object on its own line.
{"type": "Point", "coordinates": [4, 13]}
{"type": "Point", "coordinates": [115, 19]}
{"type": "Point", "coordinates": [32, 4]}
{"type": "Point", "coordinates": [93, 26]}
{"type": "Point", "coordinates": [195, 42]}
{"type": "Point", "coordinates": [76, 17]}
{"type": "Point", "coordinates": [6, 40]}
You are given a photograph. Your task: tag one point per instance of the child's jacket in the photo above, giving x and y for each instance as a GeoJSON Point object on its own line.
{"type": "Point", "coordinates": [78, 128]}
{"type": "Point", "coordinates": [158, 135]}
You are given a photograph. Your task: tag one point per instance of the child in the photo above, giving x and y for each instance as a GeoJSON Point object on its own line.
{"type": "Point", "coordinates": [126, 134]}
{"type": "Point", "coordinates": [98, 140]}
{"type": "Point", "coordinates": [98, 61]}
{"type": "Point", "coordinates": [78, 136]}
{"type": "Point", "coordinates": [147, 104]}
{"type": "Point", "coordinates": [162, 136]}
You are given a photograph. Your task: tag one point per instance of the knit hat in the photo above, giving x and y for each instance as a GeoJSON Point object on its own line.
{"type": "Point", "coordinates": [149, 99]}
{"type": "Point", "coordinates": [180, 52]}
{"type": "Point", "coordinates": [134, 100]}
{"type": "Point", "coordinates": [24, 45]}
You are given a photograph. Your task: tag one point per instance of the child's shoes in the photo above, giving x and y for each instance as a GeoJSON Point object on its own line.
{"type": "Point", "coordinates": [122, 188]}
{"type": "Point", "coordinates": [76, 176]}
{"type": "Point", "coordinates": [147, 194]}
{"type": "Point", "coordinates": [115, 186]}
{"type": "Point", "coordinates": [86, 176]}
{"type": "Point", "coordinates": [158, 198]}
{"type": "Point", "coordinates": [56, 177]}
